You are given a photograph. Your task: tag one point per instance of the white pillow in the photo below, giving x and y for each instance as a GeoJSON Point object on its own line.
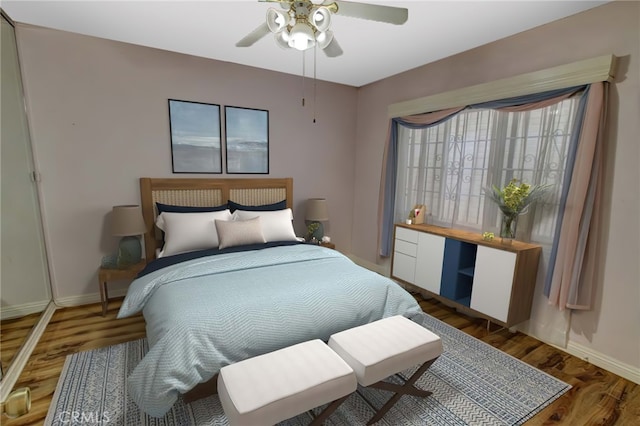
{"type": "Point", "coordinates": [239, 232]}
{"type": "Point", "coordinates": [277, 225]}
{"type": "Point", "coordinates": [185, 232]}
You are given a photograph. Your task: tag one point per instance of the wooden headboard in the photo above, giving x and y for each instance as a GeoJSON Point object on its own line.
{"type": "Point", "coordinates": [205, 192]}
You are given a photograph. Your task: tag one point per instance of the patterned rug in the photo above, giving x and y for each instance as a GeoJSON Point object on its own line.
{"type": "Point", "coordinates": [472, 383]}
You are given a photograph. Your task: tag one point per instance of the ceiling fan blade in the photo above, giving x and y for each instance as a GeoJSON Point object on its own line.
{"type": "Point", "coordinates": [254, 36]}
{"type": "Point", "coordinates": [285, 4]}
{"type": "Point", "coordinates": [333, 49]}
{"type": "Point", "coordinates": [371, 12]}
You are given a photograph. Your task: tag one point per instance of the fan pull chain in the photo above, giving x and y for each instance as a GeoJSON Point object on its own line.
{"type": "Point", "coordinates": [315, 60]}
{"type": "Point", "coordinates": [303, 72]}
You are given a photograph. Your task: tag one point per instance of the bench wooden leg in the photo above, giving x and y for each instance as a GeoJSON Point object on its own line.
{"type": "Point", "coordinates": [405, 389]}
{"type": "Point", "coordinates": [320, 418]}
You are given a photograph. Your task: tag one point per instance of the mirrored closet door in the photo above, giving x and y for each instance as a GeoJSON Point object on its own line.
{"type": "Point", "coordinates": [25, 290]}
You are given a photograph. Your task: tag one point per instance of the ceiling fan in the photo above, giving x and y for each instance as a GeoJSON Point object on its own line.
{"type": "Point", "coordinates": [305, 24]}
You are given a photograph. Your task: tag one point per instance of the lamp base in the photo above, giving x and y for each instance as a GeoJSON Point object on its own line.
{"type": "Point", "coordinates": [109, 261]}
{"type": "Point", "coordinates": [129, 252]}
{"type": "Point", "coordinates": [315, 231]}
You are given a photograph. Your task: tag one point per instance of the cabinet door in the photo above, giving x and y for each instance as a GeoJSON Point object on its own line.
{"type": "Point", "coordinates": [429, 262]}
{"type": "Point", "coordinates": [404, 267]}
{"type": "Point", "coordinates": [493, 282]}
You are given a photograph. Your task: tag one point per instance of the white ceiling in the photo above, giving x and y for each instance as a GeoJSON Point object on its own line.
{"type": "Point", "coordinates": [372, 50]}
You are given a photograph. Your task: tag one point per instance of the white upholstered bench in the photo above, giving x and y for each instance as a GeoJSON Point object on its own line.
{"type": "Point", "coordinates": [386, 347]}
{"type": "Point", "coordinates": [269, 388]}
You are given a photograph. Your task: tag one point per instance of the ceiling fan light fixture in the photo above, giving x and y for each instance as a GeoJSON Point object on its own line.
{"type": "Point", "coordinates": [301, 36]}
{"type": "Point", "coordinates": [303, 24]}
{"type": "Point", "coordinates": [321, 18]}
{"type": "Point", "coordinates": [277, 20]}
{"type": "Point", "coordinates": [282, 39]}
{"type": "Point", "coordinates": [324, 38]}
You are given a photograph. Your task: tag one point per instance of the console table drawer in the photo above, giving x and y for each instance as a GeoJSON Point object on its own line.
{"type": "Point", "coordinates": [406, 247]}
{"type": "Point", "coordinates": [407, 235]}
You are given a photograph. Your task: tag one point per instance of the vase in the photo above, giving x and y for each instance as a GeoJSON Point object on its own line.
{"type": "Point", "coordinates": [508, 227]}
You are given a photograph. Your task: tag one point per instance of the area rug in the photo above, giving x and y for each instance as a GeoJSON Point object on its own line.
{"type": "Point", "coordinates": [472, 383]}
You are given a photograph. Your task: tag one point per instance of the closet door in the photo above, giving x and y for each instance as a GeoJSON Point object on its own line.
{"type": "Point", "coordinates": [25, 276]}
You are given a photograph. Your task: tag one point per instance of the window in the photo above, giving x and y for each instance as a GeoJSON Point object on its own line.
{"type": "Point", "coordinates": [448, 166]}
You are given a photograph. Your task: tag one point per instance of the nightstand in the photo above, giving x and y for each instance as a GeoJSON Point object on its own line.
{"type": "Point", "coordinates": [328, 245]}
{"type": "Point", "coordinates": [105, 275]}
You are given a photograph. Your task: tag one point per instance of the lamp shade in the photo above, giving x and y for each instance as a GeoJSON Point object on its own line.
{"type": "Point", "coordinates": [127, 221]}
{"type": "Point", "coordinates": [277, 20]}
{"type": "Point", "coordinates": [324, 38]}
{"type": "Point", "coordinates": [301, 36]}
{"type": "Point", "coordinates": [321, 18]}
{"type": "Point", "coordinates": [282, 39]}
{"type": "Point", "coordinates": [317, 210]}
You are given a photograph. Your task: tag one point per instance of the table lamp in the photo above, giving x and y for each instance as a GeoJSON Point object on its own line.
{"type": "Point", "coordinates": [317, 212]}
{"type": "Point", "coordinates": [127, 222]}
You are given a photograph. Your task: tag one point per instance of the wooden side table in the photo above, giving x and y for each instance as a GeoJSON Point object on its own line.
{"type": "Point", "coordinates": [328, 245]}
{"type": "Point", "coordinates": [105, 275]}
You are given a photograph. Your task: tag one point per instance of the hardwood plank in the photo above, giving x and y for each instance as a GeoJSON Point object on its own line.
{"type": "Point", "coordinates": [598, 397]}
{"type": "Point", "coordinates": [13, 334]}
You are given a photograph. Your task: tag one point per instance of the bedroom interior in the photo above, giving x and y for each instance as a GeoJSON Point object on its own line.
{"type": "Point", "coordinates": [99, 98]}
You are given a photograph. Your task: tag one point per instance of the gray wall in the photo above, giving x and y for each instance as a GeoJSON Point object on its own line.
{"type": "Point", "coordinates": [100, 120]}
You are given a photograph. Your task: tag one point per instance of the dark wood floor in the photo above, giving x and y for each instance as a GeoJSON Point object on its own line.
{"type": "Point", "coordinates": [597, 397]}
{"type": "Point", "coordinates": [13, 334]}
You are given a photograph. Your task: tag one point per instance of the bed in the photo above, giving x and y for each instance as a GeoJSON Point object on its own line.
{"type": "Point", "coordinates": [257, 289]}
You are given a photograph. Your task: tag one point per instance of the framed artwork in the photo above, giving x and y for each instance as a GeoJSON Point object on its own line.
{"type": "Point", "coordinates": [247, 140]}
{"type": "Point", "coordinates": [195, 137]}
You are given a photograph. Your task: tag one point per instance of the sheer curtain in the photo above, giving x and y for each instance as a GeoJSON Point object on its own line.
{"type": "Point", "coordinates": [448, 166]}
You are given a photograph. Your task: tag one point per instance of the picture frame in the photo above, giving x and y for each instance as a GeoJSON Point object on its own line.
{"type": "Point", "coordinates": [246, 140]}
{"type": "Point", "coordinates": [195, 131]}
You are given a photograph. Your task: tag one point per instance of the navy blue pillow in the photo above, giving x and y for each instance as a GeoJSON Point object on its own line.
{"type": "Point", "coordinates": [188, 209]}
{"type": "Point", "coordinates": [280, 205]}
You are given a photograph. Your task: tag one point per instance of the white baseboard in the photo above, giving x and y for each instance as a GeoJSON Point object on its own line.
{"type": "Point", "coordinates": [626, 371]}
{"type": "Point", "coordinates": [601, 360]}
{"type": "Point", "coordinates": [87, 299]}
{"type": "Point", "coordinates": [17, 311]}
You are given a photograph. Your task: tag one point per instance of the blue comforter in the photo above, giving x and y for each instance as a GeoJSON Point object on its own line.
{"type": "Point", "coordinates": [213, 311]}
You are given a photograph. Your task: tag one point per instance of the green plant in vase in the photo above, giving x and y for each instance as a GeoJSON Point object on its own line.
{"type": "Point", "coordinates": [312, 228]}
{"type": "Point", "coordinates": [513, 200]}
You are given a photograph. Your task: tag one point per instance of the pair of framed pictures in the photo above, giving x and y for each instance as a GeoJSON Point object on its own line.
{"type": "Point", "coordinates": [196, 141]}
